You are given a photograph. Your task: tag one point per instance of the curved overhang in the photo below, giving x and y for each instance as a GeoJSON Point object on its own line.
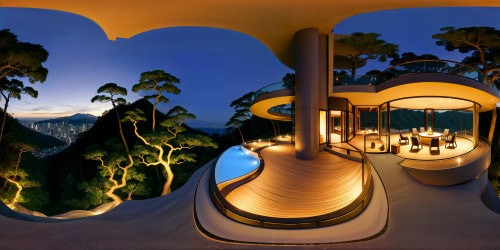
{"type": "Point", "coordinates": [274, 23]}
{"type": "Point", "coordinates": [422, 85]}
{"type": "Point", "coordinates": [262, 105]}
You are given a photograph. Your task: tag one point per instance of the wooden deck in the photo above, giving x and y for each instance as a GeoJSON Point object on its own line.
{"type": "Point", "coordinates": [291, 188]}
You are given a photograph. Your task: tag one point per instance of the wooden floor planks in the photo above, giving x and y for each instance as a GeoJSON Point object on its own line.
{"type": "Point", "coordinates": [291, 188]}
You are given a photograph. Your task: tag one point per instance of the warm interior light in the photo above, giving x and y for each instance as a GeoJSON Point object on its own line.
{"type": "Point", "coordinates": [322, 126]}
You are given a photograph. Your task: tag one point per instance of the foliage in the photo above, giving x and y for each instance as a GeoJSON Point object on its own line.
{"type": "Point", "coordinates": [113, 167]}
{"type": "Point", "coordinates": [111, 92]}
{"type": "Point", "coordinates": [483, 42]}
{"type": "Point", "coordinates": [167, 147]}
{"type": "Point", "coordinates": [288, 81]}
{"type": "Point", "coordinates": [94, 194]}
{"type": "Point", "coordinates": [410, 57]}
{"type": "Point", "coordinates": [12, 89]}
{"type": "Point", "coordinates": [242, 113]}
{"type": "Point", "coordinates": [14, 179]}
{"type": "Point", "coordinates": [21, 59]}
{"type": "Point", "coordinates": [108, 93]}
{"type": "Point", "coordinates": [158, 82]}
{"type": "Point", "coordinates": [366, 46]}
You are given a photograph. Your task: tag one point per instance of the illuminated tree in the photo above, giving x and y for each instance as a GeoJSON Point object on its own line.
{"type": "Point", "coordinates": [136, 185]}
{"type": "Point", "coordinates": [12, 89]}
{"type": "Point", "coordinates": [242, 113]}
{"type": "Point", "coordinates": [16, 177]}
{"type": "Point", "coordinates": [168, 146]}
{"type": "Point", "coordinates": [483, 42]}
{"type": "Point", "coordinates": [110, 92]}
{"type": "Point", "coordinates": [113, 168]}
{"type": "Point", "coordinates": [94, 193]}
{"type": "Point", "coordinates": [364, 47]}
{"type": "Point", "coordinates": [19, 60]}
{"type": "Point", "coordinates": [158, 82]}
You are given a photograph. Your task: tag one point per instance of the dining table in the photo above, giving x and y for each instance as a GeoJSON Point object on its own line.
{"type": "Point", "coordinates": [426, 137]}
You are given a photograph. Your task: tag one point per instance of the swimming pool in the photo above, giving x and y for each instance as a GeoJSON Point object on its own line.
{"type": "Point", "coordinates": [235, 162]}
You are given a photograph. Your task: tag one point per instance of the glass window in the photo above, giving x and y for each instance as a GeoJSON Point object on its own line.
{"type": "Point", "coordinates": [322, 126]}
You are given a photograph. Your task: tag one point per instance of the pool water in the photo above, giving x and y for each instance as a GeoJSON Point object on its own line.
{"type": "Point", "coordinates": [235, 162]}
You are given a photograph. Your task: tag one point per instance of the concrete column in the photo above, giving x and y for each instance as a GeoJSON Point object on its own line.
{"type": "Point", "coordinates": [323, 72]}
{"type": "Point", "coordinates": [475, 125]}
{"type": "Point", "coordinates": [307, 94]}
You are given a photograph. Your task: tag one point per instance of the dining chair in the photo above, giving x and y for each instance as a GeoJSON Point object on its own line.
{"type": "Point", "coordinates": [451, 141]}
{"type": "Point", "coordinates": [403, 138]}
{"type": "Point", "coordinates": [414, 132]}
{"type": "Point", "coordinates": [415, 142]}
{"type": "Point", "coordinates": [434, 144]}
{"type": "Point", "coordinates": [445, 134]}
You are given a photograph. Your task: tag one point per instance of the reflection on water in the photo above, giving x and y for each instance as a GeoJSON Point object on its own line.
{"type": "Point", "coordinates": [235, 162]}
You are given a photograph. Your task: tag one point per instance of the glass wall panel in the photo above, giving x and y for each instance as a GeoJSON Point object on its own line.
{"type": "Point", "coordinates": [460, 121]}
{"type": "Point", "coordinates": [335, 126]}
{"type": "Point", "coordinates": [384, 132]}
{"type": "Point", "coordinates": [322, 126]}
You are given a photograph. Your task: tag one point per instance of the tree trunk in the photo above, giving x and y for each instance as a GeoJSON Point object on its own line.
{"type": "Point", "coordinates": [116, 199]}
{"type": "Point", "coordinates": [154, 111]}
{"type": "Point", "coordinates": [129, 196]}
{"type": "Point", "coordinates": [492, 125]}
{"type": "Point", "coordinates": [241, 134]}
{"type": "Point", "coordinates": [120, 128]}
{"type": "Point", "coordinates": [170, 177]}
{"type": "Point", "coordinates": [274, 127]}
{"type": "Point", "coordinates": [18, 193]}
{"type": "Point", "coordinates": [4, 118]}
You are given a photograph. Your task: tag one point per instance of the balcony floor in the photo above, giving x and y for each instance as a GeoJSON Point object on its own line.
{"type": "Point", "coordinates": [291, 188]}
{"type": "Point", "coordinates": [463, 146]}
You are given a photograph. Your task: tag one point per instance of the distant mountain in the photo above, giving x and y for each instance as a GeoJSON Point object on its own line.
{"type": "Point", "coordinates": [76, 119]}
{"type": "Point", "coordinates": [212, 131]}
{"type": "Point", "coordinates": [15, 132]}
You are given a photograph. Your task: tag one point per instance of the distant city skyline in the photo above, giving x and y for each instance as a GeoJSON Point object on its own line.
{"type": "Point", "coordinates": [215, 66]}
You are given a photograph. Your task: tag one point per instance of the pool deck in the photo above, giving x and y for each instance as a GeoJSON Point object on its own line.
{"type": "Point", "coordinates": [419, 217]}
{"type": "Point", "coordinates": [291, 188]}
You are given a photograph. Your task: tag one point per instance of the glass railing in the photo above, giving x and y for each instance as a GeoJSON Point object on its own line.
{"type": "Point", "coordinates": [249, 163]}
{"type": "Point", "coordinates": [285, 109]}
{"type": "Point", "coordinates": [354, 80]}
{"type": "Point", "coordinates": [273, 87]}
{"type": "Point", "coordinates": [422, 66]}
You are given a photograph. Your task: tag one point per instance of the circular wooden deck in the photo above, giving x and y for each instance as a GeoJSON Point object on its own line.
{"type": "Point", "coordinates": [291, 188]}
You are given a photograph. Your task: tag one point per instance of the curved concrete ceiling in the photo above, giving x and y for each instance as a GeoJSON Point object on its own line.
{"type": "Point", "coordinates": [438, 103]}
{"type": "Point", "coordinates": [261, 107]}
{"type": "Point", "coordinates": [424, 89]}
{"type": "Point", "coordinates": [274, 23]}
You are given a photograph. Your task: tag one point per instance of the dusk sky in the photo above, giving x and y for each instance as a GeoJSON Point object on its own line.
{"type": "Point", "coordinates": [215, 66]}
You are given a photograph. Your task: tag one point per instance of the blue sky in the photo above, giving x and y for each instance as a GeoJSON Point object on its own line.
{"type": "Point", "coordinates": [215, 66]}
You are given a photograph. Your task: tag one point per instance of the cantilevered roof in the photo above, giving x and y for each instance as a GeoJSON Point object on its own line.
{"type": "Point", "coordinates": [272, 22]}
{"type": "Point", "coordinates": [423, 90]}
